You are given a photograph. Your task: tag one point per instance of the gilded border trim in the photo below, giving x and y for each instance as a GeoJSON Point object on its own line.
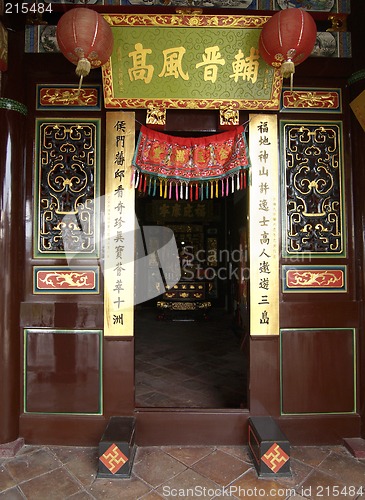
{"type": "Point", "coordinates": [343, 227]}
{"type": "Point", "coordinates": [195, 21]}
{"type": "Point", "coordinates": [311, 100]}
{"type": "Point", "coordinates": [66, 280]}
{"type": "Point", "coordinates": [93, 253]}
{"type": "Point", "coordinates": [356, 77]}
{"type": "Point", "coordinates": [12, 105]}
{"type": "Point", "coordinates": [68, 98]}
{"type": "Point", "coordinates": [314, 279]}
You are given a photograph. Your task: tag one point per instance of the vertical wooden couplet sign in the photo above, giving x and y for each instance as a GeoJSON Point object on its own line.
{"type": "Point", "coordinates": [264, 225]}
{"type": "Point", "coordinates": [119, 225]}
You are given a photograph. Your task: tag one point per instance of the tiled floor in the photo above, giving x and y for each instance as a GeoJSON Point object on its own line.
{"type": "Point", "coordinates": [57, 473]}
{"type": "Point", "coordinates": [205, 363]}
{"type": "Point", "coordinates": [189, 363]}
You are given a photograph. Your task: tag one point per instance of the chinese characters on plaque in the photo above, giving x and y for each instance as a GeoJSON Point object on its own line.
{"type": "Point", "coordinates": [172, 61]}
{"type": "Point", "coordinates": [242, 67]}
{"type": "Point", "coordinates": [264, 245]}
{"type": "Point", "coordinates": [119, 225]}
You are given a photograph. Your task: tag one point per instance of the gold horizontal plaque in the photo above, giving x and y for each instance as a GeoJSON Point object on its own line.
{"type": "Point", "coordinates": [196, 62]}
{"type": "Point", "coordinates": [67, 96]}
{"type": "Point", "coordinates": [312, 100]}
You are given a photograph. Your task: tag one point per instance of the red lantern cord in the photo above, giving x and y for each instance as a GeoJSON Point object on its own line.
{"type": "Point", "coordinates": [85, 39]}
{"type": "Point", "coordinates": [287, 39]}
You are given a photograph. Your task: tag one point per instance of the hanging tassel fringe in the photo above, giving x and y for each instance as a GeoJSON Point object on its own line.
{"type": "Point", "coordinates": [185, 190]}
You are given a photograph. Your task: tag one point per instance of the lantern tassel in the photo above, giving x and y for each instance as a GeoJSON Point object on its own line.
{"type": "Point", "coordinates": [83, 67]}
{"type": "Point", "coordinates": [288, 70]}
{"type": "Point", "coordinates": [80, 85]}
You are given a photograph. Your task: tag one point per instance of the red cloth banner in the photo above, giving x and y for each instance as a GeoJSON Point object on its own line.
{"type": "Point", "coordinates": [190, 167]}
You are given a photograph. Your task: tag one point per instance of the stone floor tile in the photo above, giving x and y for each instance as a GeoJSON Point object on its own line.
{"type": "Point", "coordinates": [153, 474]}
{"type": "Point", "coordinates": [126, 489]}
{"type": "Point", "coordinates": [221, 467]}
{"type": "Point", "coordinates": [82, 495]}
{"type": "Point", "coordinates": [188, 455]}
{"type": "Point", "coordinates": [321, 485]}
{"type": "Point", "coordinates": [299, 472]}
{"type": "Point", "coordinates": [350, 470]}
{"type": "Point", "coordinates": [152, 495]}
{"type": "Point", "coordinates": [28, 465]}
{"type": "Point", "coordinates": [183, 368]}
{"type": "Point", "coordinates": [28, 448]}
{"type": "Point", "coordinates": [143, 452]}
{"type": "Point", "coordinates": [143, 389]}
{"type": "Point", "coordinates": [161, 361]}
{"type": "Point", "coordinates": [340, 449]}
{"type": "Point", "coordinates": [296, 497]}
{"type": "Point", "coordinates": [67, 453]}
{"type": "Point", "coordinates": [250, 485]}
{"type": "Point", "coordinates": [189, 484]}
{"type": "Point", "coordinates": [188, 362]}
{"type": "Point", "coordinates": [55, 485]}
{"type": "Point", "coordinates": [158, 371]}
{"type": "Point", "coordinates": [240, 452]}
{"type": "Point", "coordinates": [105, 489]}
{"type": "Point", "coordinates": [12, 494]}
{"type": "Point", "coordinates": [195, 384]}
{"type": "Point", "coordinates": [84, 467]}
{"type": "Point", "coordinates": [310, 455]}
{"type": "Point", "coordinates": [324, 470]}
{"type": "Point", "coordinates": [64, 453]}
{"type": "Point", "coordinates": [6, 481]}
{"type": "Point", "coordinates": [156, 399]}
{"type": "Point", "coordinates": [141, 365]}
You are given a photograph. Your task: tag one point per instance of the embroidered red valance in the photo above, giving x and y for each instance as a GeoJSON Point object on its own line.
{"type": "Point", "coordinates": [190, 167]}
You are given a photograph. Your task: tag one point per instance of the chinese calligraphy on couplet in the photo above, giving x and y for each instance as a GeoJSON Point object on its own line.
{"type": "Point", "coordinates": [119, 226]}
{"type": "Point", "coordinates": [264, 245]}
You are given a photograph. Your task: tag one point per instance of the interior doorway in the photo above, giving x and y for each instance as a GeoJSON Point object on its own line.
{"type": "Point", "coordinates": [195, 356]}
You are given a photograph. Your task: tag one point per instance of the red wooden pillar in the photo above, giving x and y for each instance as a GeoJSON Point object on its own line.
{"type": "Point", "coordinates": [12, 179]}
{"type": "Point", "coordinates": [356, 86]}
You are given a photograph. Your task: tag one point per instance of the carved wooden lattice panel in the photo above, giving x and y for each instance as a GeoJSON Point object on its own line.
{"type": "Point", "coordinates": [314, 198]}
{"type": "Point", "coordinates": [66, 188]}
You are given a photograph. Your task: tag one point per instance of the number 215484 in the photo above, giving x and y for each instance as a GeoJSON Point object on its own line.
{"type": "Point", "coordinates": [25, 8]}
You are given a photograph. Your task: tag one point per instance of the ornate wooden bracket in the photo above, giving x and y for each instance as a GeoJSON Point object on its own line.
{"type": "Point", "coordinates": [338, 22]}
{"type": "Point", "coordinates": [228, 116]}
{"type": "Point", "coordinates": [189, 12]}
{"type": "Point", "coordinates": [156, 116]}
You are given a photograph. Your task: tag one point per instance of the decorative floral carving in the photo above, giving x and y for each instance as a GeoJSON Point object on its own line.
{"type": "Point", "coordinates": [313, 188]}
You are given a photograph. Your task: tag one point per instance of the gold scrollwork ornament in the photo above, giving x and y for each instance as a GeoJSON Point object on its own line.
{"type": "Point", "coordinates": [156, 116]}
{"type": "Point", "coordinates": [228, 116]}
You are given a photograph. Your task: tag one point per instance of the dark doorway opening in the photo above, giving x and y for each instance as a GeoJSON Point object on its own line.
{"type": "Point", "coordinates": [192, 357]}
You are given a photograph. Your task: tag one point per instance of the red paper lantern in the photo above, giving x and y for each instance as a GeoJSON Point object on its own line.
{"type": "Point", "coordinates": [287, 39]}
{"type": "Point", "coordinates": [85, 39]}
